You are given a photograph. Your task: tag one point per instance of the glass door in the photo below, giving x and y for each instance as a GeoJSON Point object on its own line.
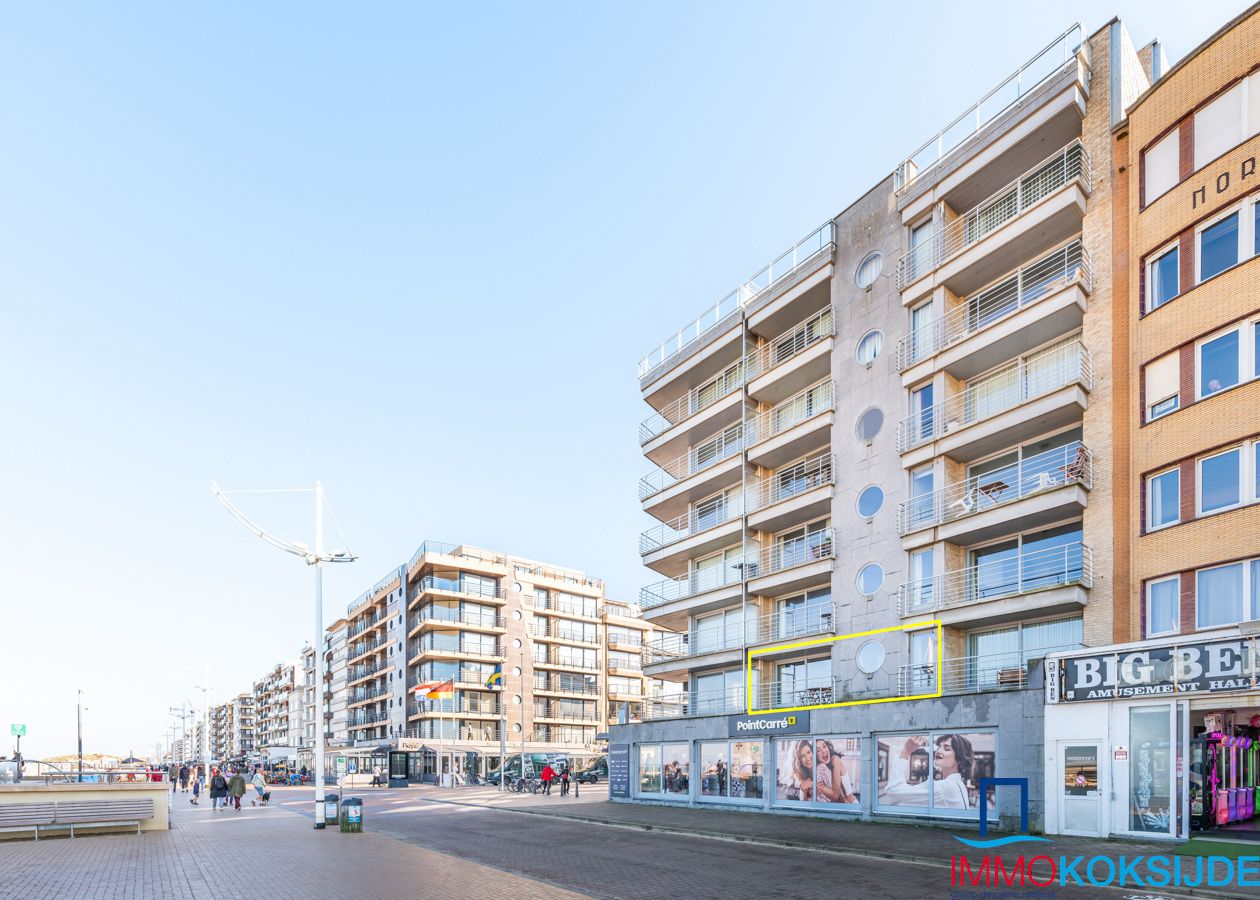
{"type": "Point", "coordinates": [1080, 788]}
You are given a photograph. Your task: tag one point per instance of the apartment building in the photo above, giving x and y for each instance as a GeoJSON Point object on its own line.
{"type": "Point", "coordinates": [1177, 689]}
{"type": "Point", "coordinates": [569, 661]}
{"type": "Point", "coordinates": [883, 474]}
{"type": "Point", "coordinates": [333, 697]}
{"type": "Point", "coordinates": [274, 708]}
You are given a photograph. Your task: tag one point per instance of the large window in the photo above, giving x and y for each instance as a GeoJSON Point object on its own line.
{"type": "Point", "coordinates": [665, 769]}
{"type": "Point", "coordinates": [1218, 126]}
{"type": "Point", "coordinates": [1150, 769]}
{"type": "Point", "coordinates": [1162, 166]}
{"type": "Point", "coordinates": [1228, 358]}
{"type": "Point", "coordinates": [998, 658]}
{"type": "Point", "coordinates": [823, 772]}
{"type": "Point", "coordinates": [1220, 481]}
{"type": "Point", "coordinates": [937, 773]}
{"type": "Point", "coordinates": [1227, 594]}
{"type": "Point", "coordinates": [1163, 499]}
{"type": "Point", "coordinates": [1228, 239]}
{"type": "Point", "coordinates": [1163, 278]}
{"type": "Point", "coordinates": [1163, 601]}
{"type": "Point", "coordinates": [732, 770]}
{"type": "Point", "coordinates": [718, 692]}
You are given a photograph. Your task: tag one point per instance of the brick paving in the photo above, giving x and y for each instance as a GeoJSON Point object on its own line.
{"type": "Point", "coordinates": [272, 853]}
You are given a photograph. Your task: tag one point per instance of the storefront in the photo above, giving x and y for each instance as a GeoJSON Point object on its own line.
{"type": "Point", "coordinates": [1154, 739]}
{"type": "Point", "coordinates": [795, 764]}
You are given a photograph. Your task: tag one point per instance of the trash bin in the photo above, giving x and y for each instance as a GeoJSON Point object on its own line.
{"type": "Point", "coordinates": [331, 803]}
{"type": "Point", "coordinates": [351, 815]}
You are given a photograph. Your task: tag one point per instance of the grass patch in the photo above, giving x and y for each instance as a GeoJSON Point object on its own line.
{"type": "Point", "coordinates": [1228, 849]}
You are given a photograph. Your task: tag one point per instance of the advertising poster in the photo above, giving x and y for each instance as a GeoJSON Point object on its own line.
{"type": "Point", "coordinates": [1080, 771]}
{"type": "Point", "coordinates": [822, 770]}
{"type": "Point", "coordinates": [936, 771]}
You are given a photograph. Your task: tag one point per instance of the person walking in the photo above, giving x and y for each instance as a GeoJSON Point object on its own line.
{"type": "Point", "coordinates": [236, 788]}
{"type": "Point", "coordinates": [260, 787]}
{"type": "Point", "coordinates": [218, 789]}
{"type": "Point", "coordinates": [183, 778]}
{"type": "Point", "coordinates": [548, 773]}
{"type": "Point", "coordinates": [564, 781]}
{"type": "Point", "coordinates": [172, 774]}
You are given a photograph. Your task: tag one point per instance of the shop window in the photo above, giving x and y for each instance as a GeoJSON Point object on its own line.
{"type": "Point", "coordinates": [1150, 769]}
{"type": "Point", "coordinates": [1220, 481]}
{"type": "Point", "coordinates": [732, 769]}
{"type": "Point", "coordinates": [665, 769]}
{"type": "Point", "coordinates": [822, 773]}
{"type": "Point", "coordinates": [1163, 601]}
{"type": "Point", "coordinates": [1163, 385]}
{"type": "Point", "coordinates": [1162, 164]}
{"type": "Point", "coordinates": [934, 772]}
{"type": "Point", "coordinates": [1163, 499]}
{"type": "Point", "coordinates": [1163, 278]}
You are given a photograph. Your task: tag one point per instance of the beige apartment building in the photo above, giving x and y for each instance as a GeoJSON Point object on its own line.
{"type": "Point", "coordinates": [884, 473]}
{"type": "Point", "coordinates": [1180, 679]}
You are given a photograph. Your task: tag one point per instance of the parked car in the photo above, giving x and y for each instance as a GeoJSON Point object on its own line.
{"type": "Point", "coordinates": [593, 773]}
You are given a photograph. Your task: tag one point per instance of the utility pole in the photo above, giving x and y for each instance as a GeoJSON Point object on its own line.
{"type": "Point", "coordinates": [78, 713]}
{"type": "Point", "coordinates": [318, 641]}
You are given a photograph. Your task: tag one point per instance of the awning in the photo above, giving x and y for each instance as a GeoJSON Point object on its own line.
{"type": "Point", "coordinates": [382, 749]}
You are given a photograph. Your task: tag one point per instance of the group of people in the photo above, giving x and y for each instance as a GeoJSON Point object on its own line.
{"type": "Point", "coordinates": [226, 789]}
{"type": "Point", "coordinates": [821, 775]}
{"type": "Point", "coordinates": [548, 775]}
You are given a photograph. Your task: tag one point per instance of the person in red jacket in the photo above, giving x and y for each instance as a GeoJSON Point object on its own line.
{"type": "Point", "coordinates": [547, 775]}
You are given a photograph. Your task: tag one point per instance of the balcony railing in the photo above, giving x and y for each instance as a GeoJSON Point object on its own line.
{"type": "Point", "coordinates": [793, 623]}
{"type": "Point", "coordinates": [789, 554]}
{"type": "Point", "coordinates": [446, 729]}
{"type": "Point", "coordinates": [463, 647]}
{"type": "Point", "coordinates": [814, 400]}
{"type": "Point", "coordinates": [363, 625]}
{"type": "Point", "coordinates": [1069, 464]}
{"type": "Point", "coordinates": [557, 686]}
{"type": "Point", "coordinates": [971, 674]}
{"type": "Point", "coordinates": [444, 549]}
{"type": "Point", "coordinates": [1071, 164]}
{"type": "Point", "coordinates": [1058, 55]}
{"type": "Point", "coordinates": [446, 615]}
{"type": "Point", "coordinates": [818, 242]}
{"type": "Point", "coordinates": [465, 705]}
{"type": "Point", "coordinates": [1008, 295]}
{"type": "Point", "coordinates": [553, 711]}
{"type": "Point", "coordinates": [365, 647]}
{"type": "Point", "coordinates": [695, 703]}
{"type": "Point", "coordinates": [1023, 573]}
{"type": "Point", "coordinates": [468, 588]}
{"type": "Point", "coordinates": [709, 452]}
{"type": "Point", "coordinates": [559, 735]}
{"type": "Point", "coordinates": [357, 672]}
{"type": "Point", "coordinates": [568, 662]}
{"type": "Point", "coordinates": [462, 676]}
{"type": "Point", "coordinates": [795, 692]}
{"type": "Point", "coordinates": [792, 481]}
{"type": "Point", "coordinates": [564, 630]}
{"type": "Point", "coordinates": [669, 647]}
{"type": "Point", "coordinates": [790, 344]}
{"type": "Point", "coordinates": [634, 639]}
{"type": "Point", "coordinates": [367, 720]}
{"type": "Point", "coordinates": [999, 392]}
{"type": "Point", "coordinates": [361, 696]}
{"type": "Point", "coordinates": [690, 523]}
{"type": "Point", "coordinates": [689, 585]}
{"type": "Point", "coordinates": [694, 401]}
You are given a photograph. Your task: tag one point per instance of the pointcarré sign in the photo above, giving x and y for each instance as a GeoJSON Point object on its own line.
{"type": "Point", "coordinates": [776, 723]}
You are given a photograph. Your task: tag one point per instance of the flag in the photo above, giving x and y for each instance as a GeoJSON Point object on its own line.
{"type": "Point", "coordinates": [496, 677]}
{"type": "Point", "coordinates": [436, 690]}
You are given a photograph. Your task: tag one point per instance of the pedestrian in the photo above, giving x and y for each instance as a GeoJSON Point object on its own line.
{"type": "Point", "coordinates": [236, 788]}
{"type": "Point", "coordinates": [172, 773]}
{"type": "Point", "coordinates": [260, 786]}
{"type": "Point", "coordinates": [218, 788]}
{"type": "Point", "coordinates": [378, 777]}
{"type": "Point", "coordinates": [548, 773]}
{"type": "Point", "coordinates": [196, 790]}
{"type": "Point", "coordinates": [564, 781]}
{"type": "Point", "coordinates": [183, 778]}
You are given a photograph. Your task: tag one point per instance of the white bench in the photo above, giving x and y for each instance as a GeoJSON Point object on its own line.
{"type": "Point", "coordinates": [27, 816]}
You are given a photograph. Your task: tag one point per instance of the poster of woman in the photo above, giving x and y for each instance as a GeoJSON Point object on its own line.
{"type": "Point", "coordinates": [822, 770]}
{"type": "Point", "coordinates": [940, 773]}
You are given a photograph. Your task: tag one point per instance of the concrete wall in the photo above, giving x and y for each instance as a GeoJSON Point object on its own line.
{"type": "Point", "coordinates": [13, 794]}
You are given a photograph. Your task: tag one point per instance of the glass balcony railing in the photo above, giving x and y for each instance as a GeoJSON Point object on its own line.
{"type": "Point", "coordinates": [467, 587]}
{"type": "Point", "coordinates": [1008, 576]}
{"type": "Point", "coordinates": [693, 522]}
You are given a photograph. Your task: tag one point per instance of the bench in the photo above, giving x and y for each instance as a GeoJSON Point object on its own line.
{"type": "Point", "coordinates": [73, 814]}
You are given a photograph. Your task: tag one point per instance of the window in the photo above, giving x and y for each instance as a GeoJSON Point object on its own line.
{"type": "Point", "coordinates": [733, 769]}
{"type": "Point", "coordinates": [870, 501]}
{"type": "Point", "coordinates": [869, 424]}
{"type": "Point", "coordinates": [1218, 363]}
{"type": "Point", "coordinates": [1225, 595]}
{"type": "Point", "coordinates": [665, 769]}
{"type": "Point", "coordinates": [1163, 279]}
{"type": "Point", "coordinates": [919, 259]}
{"type": "Point", "coordinates": [870, 579]}
{"type": "Point", "coordinates": [1218, 246]}
{"type": "Point", "coordinates": [869, 269]}
{"type": "Point", "coordinates": [1163, 385]}
{"type": "Point", "coordinates": [921, 414]}
{"type": "Point", "coordinates": [868, 348]}
{"type": "Point", "coordinates": [1220, 481]}
{"type": "Point", "coordinates": [818, 772]}
{"type": "Point", "coordinates": [1162, 166]}
{"type": "Point", "coordinates": [1218, 126]}
{"type": "Point", "coordinates": [1162, 604]}
{"type": "Point", "coordinates": [922, 584]}
{"type": "Point", "coordinates": [935, 773]}
{"type": "Point", "coordinates": [1163, 499]}
{"type": "Point", "coordinates": [922, 497]}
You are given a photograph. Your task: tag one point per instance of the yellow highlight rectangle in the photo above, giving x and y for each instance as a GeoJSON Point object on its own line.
{"type": "Point", "coordinates": [940, 651]}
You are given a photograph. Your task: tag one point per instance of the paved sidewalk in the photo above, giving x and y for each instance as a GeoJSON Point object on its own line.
{"type": "Point", "coordinates": [272, 852]}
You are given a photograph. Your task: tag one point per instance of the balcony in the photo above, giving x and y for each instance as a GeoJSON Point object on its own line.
{"type": "Point", "coordinates": [355, 697]}
{"type": "Point", "coordinates": [566, 735]}
{"type": "Point", "coordinates": [792, 428]}
{"type": "Point", "coordinates": [1039, 582]}
{"type": "Point", "coordinates": [789, 624]}
{"type": "Point", "coordinates": [797, 493]}
{"type": "Point", "coordinates": [463, 587]}
{"type": "Point", "coordinates": [796, 692]}
{"type": "Point", "coordinates": [471, 556]}
{"type": "Point", "coordinates": [427, 646]}
{"type": "Point", "coordinates": [565, 661]}
{"type": "Point", "coordinates": [970, 500]}
{"type": "Point", "coordinates": [702, 457]}
{"type": "Point", "coordinates": [363, 625]}
{"type": "Point", "coordinates": [357, 650]}
{"type": "Point", "coordinates": [357, 673]}
{"type": "Point", "coordinates": [446, 729]}
{"type": "Point", "coordinates": [559, 686]}
{"type": "Point", "coordinates": [1003, 320]}
{"type": "Point", "coordinates": [1058, 55]}
{"type": "Point", "coordinates": [1040, 377]}
{"type": "Point", "coordinates": [560, 714]}
{"type": "Point", "coordinates": [698, 703]}
{"type": "Point", "coordinates": [972, 674]}
{"type": "Point", "coordinates": [793, 360]}
{"type": "Point", "coordinates": [1050, 201]}
{"type": "Point", "coordinates": [465, 677]}
{"type": "Point", "coordinates": [560, 606]}
{"type": "Point", "coordinates": [673, 655]}
{"type": "Point", "coordinates": [691, 524]}
{"type": "Point", "coordinates": [368, 720]}
{"type": "Point", "coordinates": [777, 568]}
{"type": "Point", "coordinates": [627, 641]}
{"type": "Point", "coordinates": [563, 630]}
{"type": "Point", "coordinates": [726, 311]}
{"type": "Point", "coordinates": [465, 706]}
{"type": "Point", "coordinates": [441, 615]}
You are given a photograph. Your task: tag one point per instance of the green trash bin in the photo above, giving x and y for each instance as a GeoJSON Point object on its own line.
{"type": "Point", "coordinates": [331, 806]}
{"type": "Point", "coordinates": [351, 815]}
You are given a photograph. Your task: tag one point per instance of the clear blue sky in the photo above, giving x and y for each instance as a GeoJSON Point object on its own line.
{"type": "Point", "coordinates": [413, 251]}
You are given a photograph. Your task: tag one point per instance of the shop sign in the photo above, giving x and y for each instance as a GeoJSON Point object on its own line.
{"type": "Point", "coordinates": [619, 770]}
{"type": "Point", "coordinates": [1120, 754]}
{"type": "Point", "coordinates": [759, 726]}
{"type": "Point", "coordinates": [1229, 664]}
{"type": "Point", "coordinates": [411, 745]}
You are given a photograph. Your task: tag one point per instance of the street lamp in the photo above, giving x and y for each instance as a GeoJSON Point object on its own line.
{"type": "Point", "coordinates": [313, 557]}
{"type": "Point", "coordinates": [78, 715]}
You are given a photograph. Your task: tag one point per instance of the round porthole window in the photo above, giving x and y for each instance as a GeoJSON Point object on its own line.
{"type": "Point", "coordinates": [870, 501]}
{"type": "Point", "coordinates": [516, 727]}
{"type": "Point", "coordinates": [868, 348]}
{"type": "Point", "coordinates": [869, 269]}
{"type": "Point", "coordinates": [516, 643]}
{"type": "Point", "coordinates": [869, 424]}
{"type": "Point", "coordinates": [516, 615]}
{"type": "Point", "coordinates": [516, 700]}
{"type": "Point", "coordinates": [516, 671]}
{"type": "Point", "coordinates": [518, 587]}
{"type": "Point", "coordinates": [871, 578]}
{"type": "Point", "coordinates": [870, 657]}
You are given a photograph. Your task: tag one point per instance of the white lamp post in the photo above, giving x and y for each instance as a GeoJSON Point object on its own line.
{"type": "Point", "coordinates": [316, 557]}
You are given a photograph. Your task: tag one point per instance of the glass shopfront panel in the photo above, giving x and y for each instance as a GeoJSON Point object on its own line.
{"type": "Point", "coordinates": [936, 773]}
{"type": "Point", "coordinates": [1150, 769]}
{"type": "Point", "coordinates": [818, 772]}
{"type": "Point", "coordinates": [732, 770]}
{"type": "Point", "coordinates": [665, 771]}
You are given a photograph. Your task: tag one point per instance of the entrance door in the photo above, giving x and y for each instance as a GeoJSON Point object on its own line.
{"type": "Point", "coordinates": [1080, 788]}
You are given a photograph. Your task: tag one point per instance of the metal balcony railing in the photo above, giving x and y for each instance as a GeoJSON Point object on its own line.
{"type": "Point", "coordinates": [795, 692]}
{"type": "Point", "coordinates": [1020, 289]}
{"type": "Point", "coordinates": [814, 400]}
{"type": "Point", "coordinates": [1023, 573]}
{"type": "Point", "coordinates": [626, 640]}
{"type": "Point", "coordinates": [1071, 165]}
{"type": "Point", "coordinates": [552, 711]}
{"type": "Point", "coordinates": [361, 696]}
{"type": "Point", "coordinates": [1070, 464]}
{"type": "Point", "coordinates": [691, 523]}
{"type": "Point", "coordinates": [448, 729]}
{"type": "Point", "coordinates": [694, 401]}
{"type": "Point", "coordinates": [1003, 390]}
{"type": "Point", "coordinates": [567, 576]}
{"type": "Point", "coordinates": [669, 647]}
{"type": "Point", "coordinates": [1058, 55]}
{"type": "Point", "coordinates": [790, 344]}
{"type": "Point", "coordinates": [465, 647]}
{"type": "Point", "coordinates": [365, 647]}
{"type": "Point", "coordinates": [792, 481]}
{"type": "Point", "coordinates": [357, 672]}
{"type": "Point", "coordinates": [464, 675]}
{"type": "Point", "coordinates": [557, 686]}
{"type": "Point", "coordinates": [567, 661]}
{"type": "Point", "coordinates": [462, 706]}
{"type": "Point", "coordinates": [565, 631]}
{"type": "Point", "coordinates": [573, 737]}
{"type": "Point", "coordinates": [689, 585]}
{"type": "Point", "coordinates": [560, 605]}
{"type": "Point", "coordinates": [468, 588]}
{"type": "Point", "coordinates": [446, 615]}
{"type": "Point", "coordinates": [791, 553]}
{"type": "Point", "coordinates": [443, 549]}
{"type": "Point", "coordinates": [818, 242]}
{"type": "Point", "coordinates": [366, 720]}
{"type": "Point", "coordinates": [971, 674]}
{"type": "Point", "coordinates": [363, 625]}
{"type": "Point", "coordinates": [793, 623]}
{"type": "Point", "coordinates": [695, 703]}
{"type": "Point", "coordinates": [711, 451]}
